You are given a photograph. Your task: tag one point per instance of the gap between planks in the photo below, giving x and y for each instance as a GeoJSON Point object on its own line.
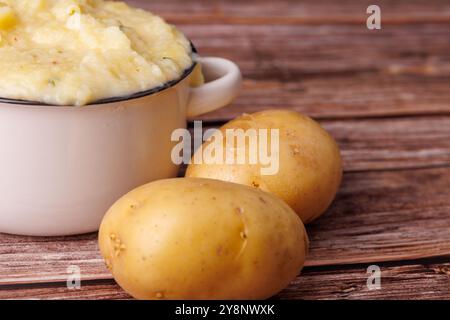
{"type": "Point", "coordinates": [412, 221]}
{"type": "Point", "coordinates": [292, 12]}
{"type": "Point", "coordinates": [326, 282]}
{"type": "Point", "coordinates": [386, 144]}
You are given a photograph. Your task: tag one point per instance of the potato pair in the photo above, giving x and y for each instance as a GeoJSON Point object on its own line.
{"type": "Point", "coordinates": [196, 238]}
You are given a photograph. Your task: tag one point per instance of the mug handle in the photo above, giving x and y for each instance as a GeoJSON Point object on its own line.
{"type": "Point", "coordinates": [217, 93]}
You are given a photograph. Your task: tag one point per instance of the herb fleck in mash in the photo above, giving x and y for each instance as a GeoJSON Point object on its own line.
{"type": "Point", "coordinates": [74, 52]}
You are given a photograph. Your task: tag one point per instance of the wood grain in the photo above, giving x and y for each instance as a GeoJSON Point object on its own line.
{"type": "Point", "coordinates": [298, 52]}
{"type": "Point", "coordinates": [343, 98]}
{"type": "Point", "coordinates": [383, 216]}
{"type": "Point", "coordinates": [93, 290]}
{"type": "Point", "coordinates": [418, 280]}
{"type": "Point", "coordinates": [326, 70]}
{"type": "Point", "coordinates": [396, 143]}
{"type": "Point", "coordinates": [386, 143]}
{"type": "Point", "coordinates": [382, 94]}
{"type": "Point", "coordinates": [377, 216]}
{"type": "Point", "coordinates": [334, 71]}
{"type": "Point", "coordinates": [412, 281]}
{"type": "Point", "coordinates": [295, 11]}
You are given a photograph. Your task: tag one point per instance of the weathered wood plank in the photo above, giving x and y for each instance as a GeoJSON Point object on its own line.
{"type": "Point", "coordinates": [326, 70]}
{"type": "Point", "coordinates": [334, 71]}
{"type": "Point", "coordinates": [377, 216]}
{"type": "Point", "coordinates": [294, 11]}
{"type": "Point", "coordinates": [343, 97]}
{"type": "Point", "coordinates": [317, 57]}
{"type": "Point", "coordinates": [387, 143]}
{"type": "Point", "coordinates": [413, 281]}
{"type": "Point", "coordinates": [396, 143]}
{"type": "Point", "coordinates": [99, 290]}
{"type": "Point", "coordinates": [37, 260]}
{"type": "Point", "coordinates": [292, 53]}
{"type": "Point", "coordinates": [385, 216]}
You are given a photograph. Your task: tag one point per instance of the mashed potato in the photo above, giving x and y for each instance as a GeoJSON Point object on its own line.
{"type": "Point", "coordinates": [74, 52]}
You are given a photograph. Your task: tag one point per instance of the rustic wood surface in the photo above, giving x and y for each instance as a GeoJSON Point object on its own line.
{"type": "Point", "coordinates": [399, 281]}
{"type": "Point", "coordinates": [384, 95]}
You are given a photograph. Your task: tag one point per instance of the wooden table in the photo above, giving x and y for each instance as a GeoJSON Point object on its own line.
{"type": "Point", "coordinates": [383, 94]}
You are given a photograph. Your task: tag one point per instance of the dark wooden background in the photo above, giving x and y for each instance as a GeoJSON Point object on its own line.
{"type": "Point", "coordinates": [383, 94]}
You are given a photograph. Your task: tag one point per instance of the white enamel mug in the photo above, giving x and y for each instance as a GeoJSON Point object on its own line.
{"type": "Point", "coordinates": [61, 168]}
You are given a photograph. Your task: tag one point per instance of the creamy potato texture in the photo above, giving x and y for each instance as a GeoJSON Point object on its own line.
{"type": "Point", "coordinates": [74, 52]}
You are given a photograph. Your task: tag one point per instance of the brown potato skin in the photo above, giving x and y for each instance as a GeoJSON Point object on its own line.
{"type": "Point", "coordinates": [192, 238]}
{"type": "Point", "coordinates": [310, 170]}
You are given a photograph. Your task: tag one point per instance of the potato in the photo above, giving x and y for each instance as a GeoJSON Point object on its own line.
{"type": "Point", "coordinates": [310, 168]}
{"type": "Point", "coordinates": [191, 238]}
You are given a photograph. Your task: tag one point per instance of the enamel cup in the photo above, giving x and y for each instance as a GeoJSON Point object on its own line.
{"type": "Point", "coordinates": [62, 167]}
